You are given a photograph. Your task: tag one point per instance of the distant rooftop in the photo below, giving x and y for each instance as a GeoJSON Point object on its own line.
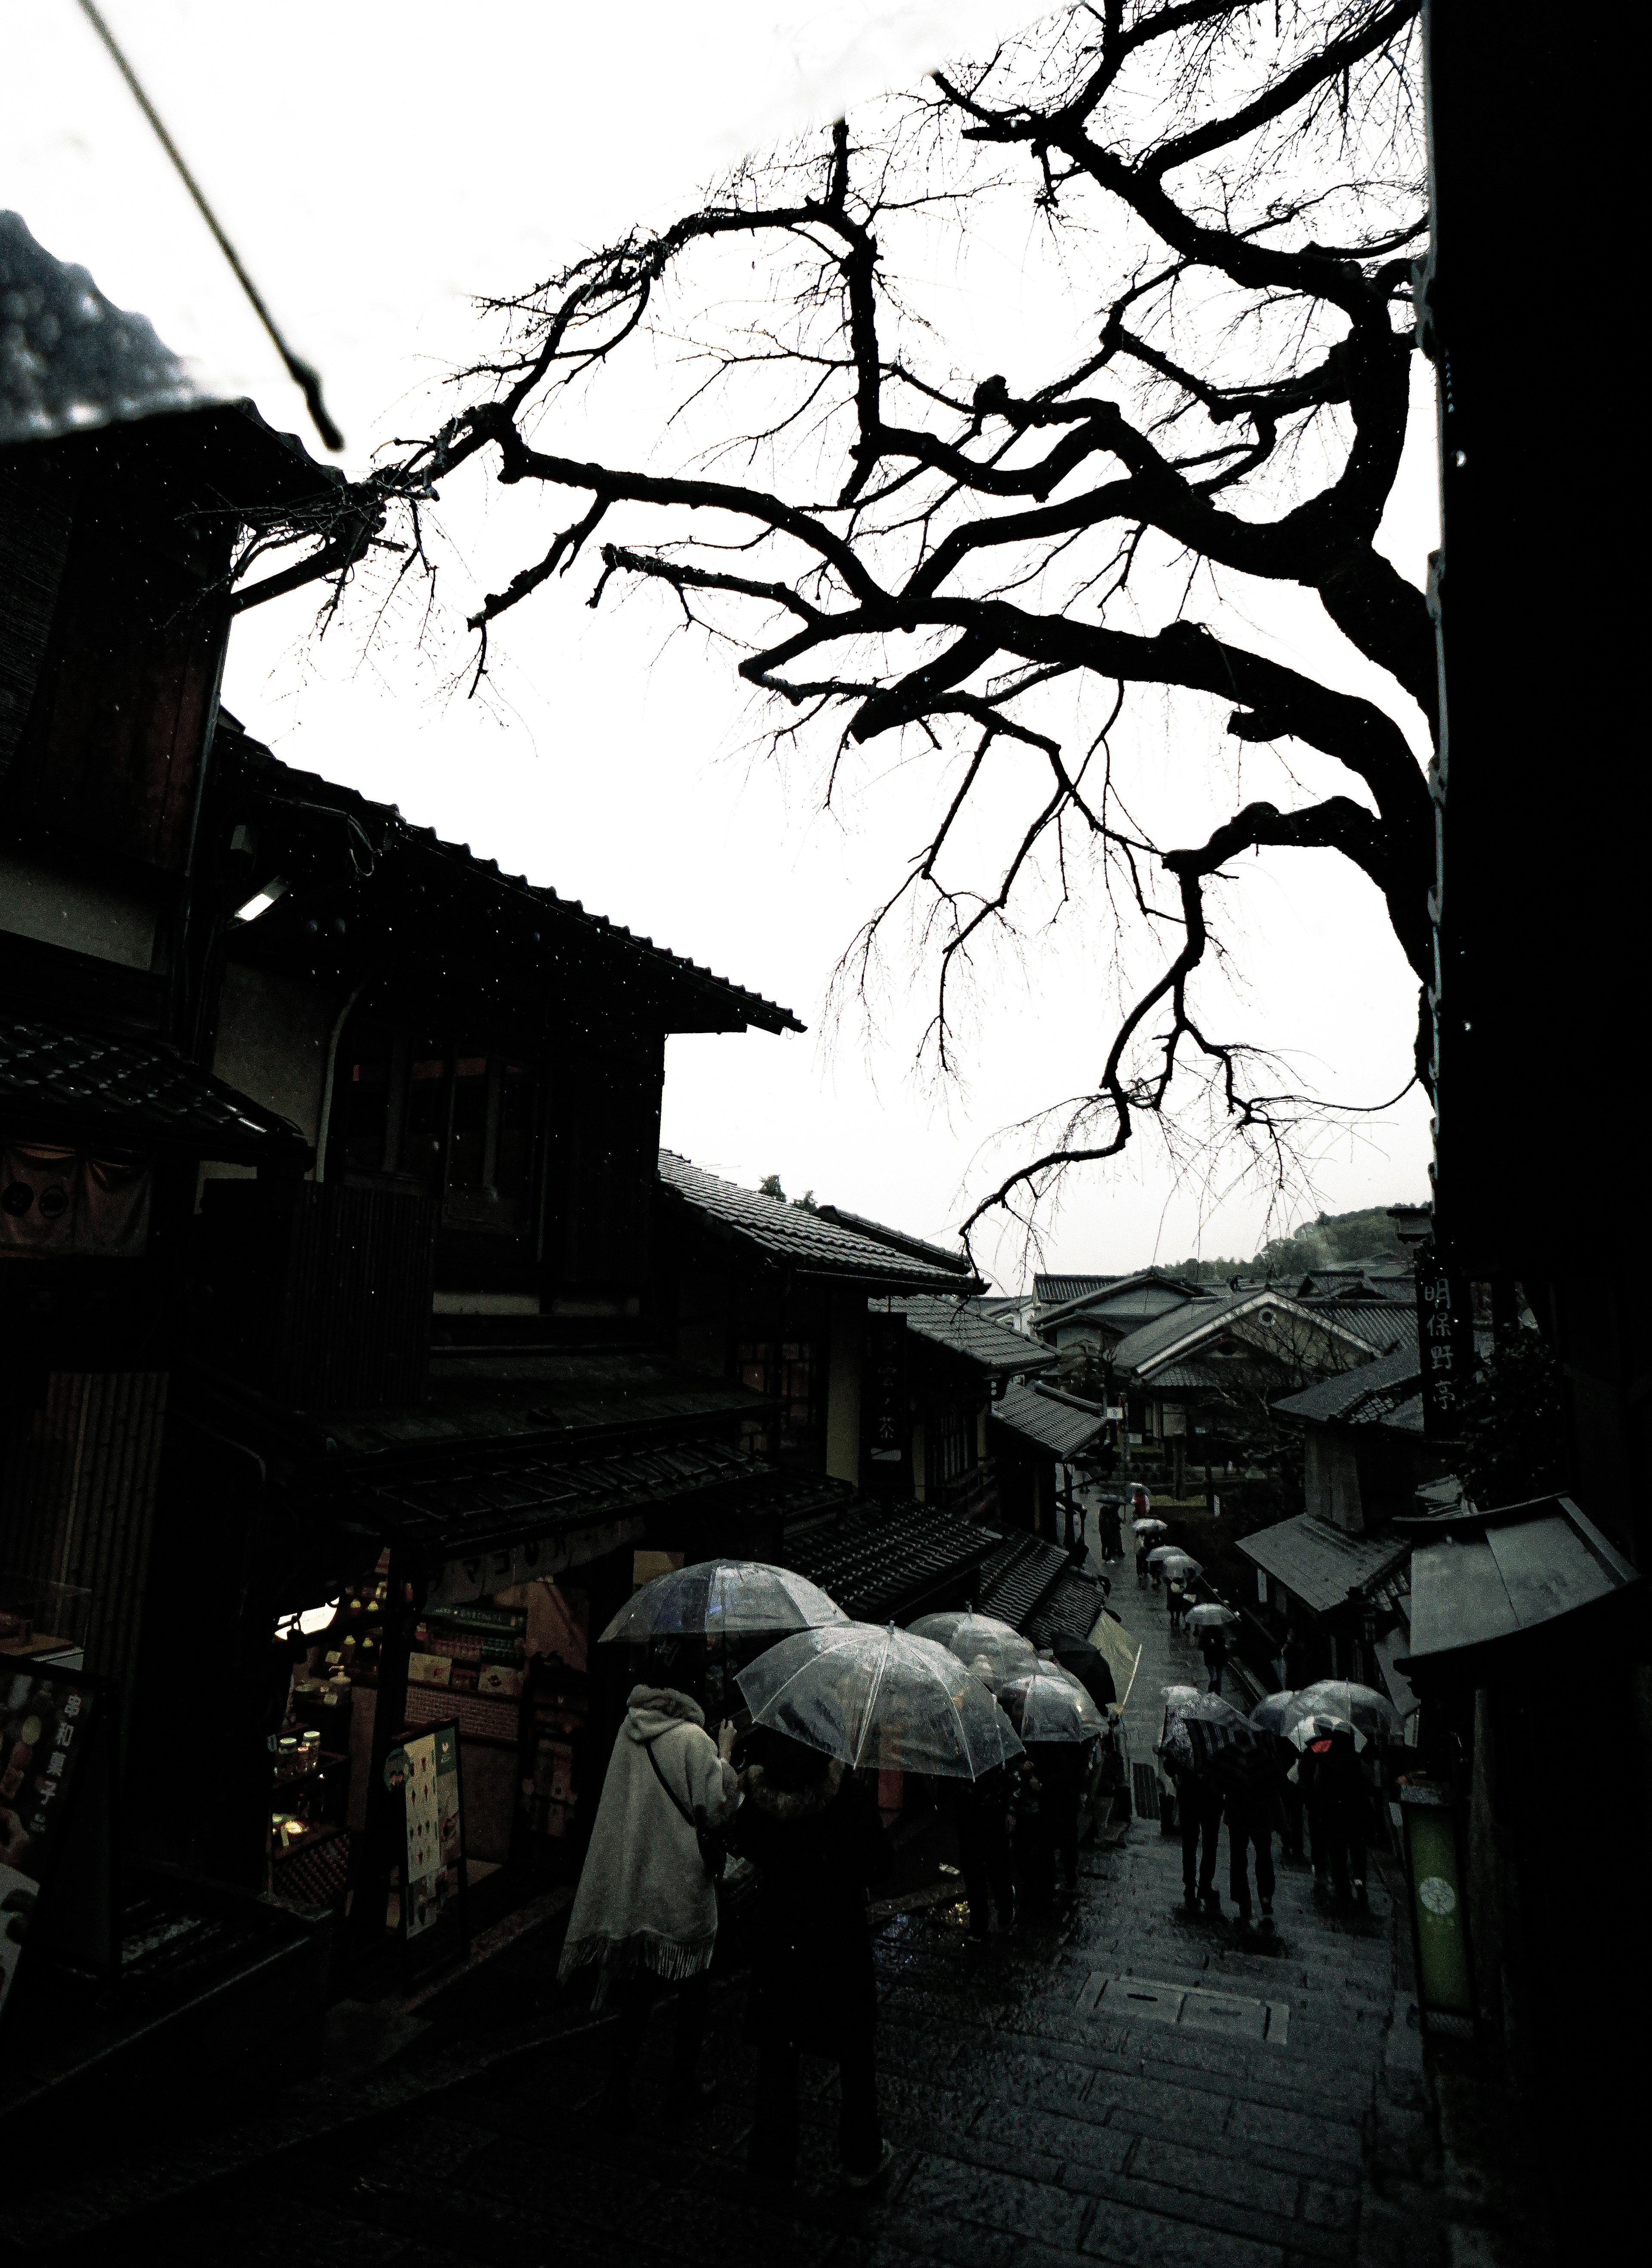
{"type": "Point", "coordinates": [805, 1240]}
{"type": "Point", "coordinates": [959, 1326]}
{"type": "Point", "coordinates": [915, 1248]}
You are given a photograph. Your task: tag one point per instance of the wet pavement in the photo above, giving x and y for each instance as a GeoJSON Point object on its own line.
{"type": "Point", "coordinates": [1115, 2083]}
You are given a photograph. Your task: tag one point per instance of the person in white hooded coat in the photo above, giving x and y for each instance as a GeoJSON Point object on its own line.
{"type": "Point", "coordinates": [645, 1915]}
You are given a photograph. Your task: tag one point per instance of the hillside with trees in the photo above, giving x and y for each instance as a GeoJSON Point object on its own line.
{"type": "Point", "coordinates": [1334, 1240]}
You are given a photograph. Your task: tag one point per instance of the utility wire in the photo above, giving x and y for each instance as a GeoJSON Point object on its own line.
{"type": "Point", "coordinates": [307, 379]}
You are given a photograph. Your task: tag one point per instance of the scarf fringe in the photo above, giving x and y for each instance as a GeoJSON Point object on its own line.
{"type": "Point", "coordinates": [617, 1960]}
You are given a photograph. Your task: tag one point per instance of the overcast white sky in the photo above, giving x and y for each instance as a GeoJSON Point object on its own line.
{"type": "Point", "coordinates": [377, 165]}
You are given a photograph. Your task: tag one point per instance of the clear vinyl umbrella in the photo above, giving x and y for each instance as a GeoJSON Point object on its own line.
{"type": "Point", "coordinates": [874, 1695]}
{"type": "Point", "coordinates": [1302, 1731]}
{"type": "Point", "coordinates": [1272, 1712]}
{"type": "Point", "coordinates": [939, 1627]}
{"type": "Point", "coordinates": [998, 1644]}
{"type": "Point", "coordinates": [1211, 1616]}
{"type": "Point", "coordinates": [1369, 1711]}
{"type": "Point", "coordinates": [723, 1598]}
{"type": "Point", "coordinates": [1150, 1527]}
{"type": "Point", "coordinates": [1051, 1704]}
{"type": "Point", "coordinates": [1177, 1566]}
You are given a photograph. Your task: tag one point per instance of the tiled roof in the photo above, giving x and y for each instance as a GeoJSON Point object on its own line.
{"type": "Point", "coordinates": [1102, 1294]}
{"type": "Point", "coordinates": [959, 1326]}
{"type": "Point", "coordinates": [1353, 1397]}
{"type": "Point", "coordinates": [1061, 1426]}
{"type": "Point", "coordinates": [549, 1397]}
{"type": "Point", "coordinates": [1185, 1328]}
{"type": "Point", "coordinates": [61, 1081]}
{"type": "Point", "coordinates": [1056, 1291]}
{"type": "Point", "coordinates": [1319, 1563]}
{"type": "Point", "coordinates": [487, 1499]}
{"type": "Point", "coordinates": [882, 1564]}
{"type": "Point", "coordinates": [1188, 1378]}
{"type": "Point", "coordinates": [1069, 1609]}
{"type": "Point", "coordinates": [915, 1248]}
{"type": "Point", "coordinates": [386, 831]}
{"type": "Point", "coordinates": [802, 1239]}
{"type": "Point", "coordinates": [1017, 1576]}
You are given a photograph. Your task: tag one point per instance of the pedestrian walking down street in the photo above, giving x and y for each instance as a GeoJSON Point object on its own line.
{"type": "Point", "coordinates": [1252, 1819]}
{"type": "Point", "coordinates": [1174, 1602]}
{"type": "Point", "coordinates": [645, 1916]}
{"type": "Point", "coordinates": [980, 1810]}
{"type": "Point", "coordinates": [813, 1834]}
{"type": "Point", "coordinates": [1142, 1568]}
{"type": "Point", "coordinates": [1199, 1816]}
{"type": "Point", "coordinates": [1108, 1535]}
{"type": "Point", "coordinates": [1054, 1774]}
{"type": "Point", "coordinates": [1337, 1801]}
{"type": "Point", "coordinates": [1213, 1645]}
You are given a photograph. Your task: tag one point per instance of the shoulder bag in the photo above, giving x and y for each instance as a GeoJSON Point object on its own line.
{"type": "Point", "coordinates": [714, 1855]}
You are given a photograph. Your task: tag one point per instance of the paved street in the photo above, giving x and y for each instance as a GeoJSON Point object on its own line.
{"type": "Point", "coordinates": [1040, 2114]}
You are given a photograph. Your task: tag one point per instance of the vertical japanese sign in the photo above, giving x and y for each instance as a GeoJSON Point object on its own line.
{"type": "Point", "coordinates": [885, 1416]}
{"type": "Point", "coordinates": [433, 1847]}
{"type": "Point", "coordinates": [45, 1728]}
{"type": "Point", "coordinates": [1445, 1340]}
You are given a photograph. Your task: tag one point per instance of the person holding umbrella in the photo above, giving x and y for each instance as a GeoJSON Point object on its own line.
{"type": "Point", "coordinates": [645, 1915]}
{"type": "Point", "coordinates": [1337, 1800]}
{"type": "Point", "coordinates": [811, 1829]}
{"type": "Point", "coordinates": [1058, 1722]}
{"type": "Point", "coordinates": [862, 1698]}
{"type": "Point", "coordinates": [979, 1811]}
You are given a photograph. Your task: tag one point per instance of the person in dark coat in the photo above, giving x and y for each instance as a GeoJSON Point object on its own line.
{"type": "Point", "coordinates": [1337, 1804]}
{"type": "Point", "coordinates": [1252, 1818]}
{"type": "Point", "coordinates": [1052, 1783]}
{"type": "Point", "coordinates": [1199, 1816]}
{"type": "Point", "coordinates": [979, 1811]}
{"type": "Point", "coordinates": [1089, 1665]}
{"type": "Point", "coordinates": [1213, 1644]}
{"type": "Point", "coordinates": [812, 1832]}
{"type": "Point", "coordinates": [1140, 1562]}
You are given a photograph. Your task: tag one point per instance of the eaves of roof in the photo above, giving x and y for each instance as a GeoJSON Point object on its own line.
{"type": "Point", "coordinates": [958, 1326]}
{"type": "Point", "coordinates": [915, 1248]}
{"type": "Point", "coordinates": [69, 1082]}
{"type": "Point", "coordinates": [1182, 1330]}
{"type": "Point", "coordinates": [1345, 1400]}
{"type": "Point", "coordinates": [1056, 1424]}
{"type": "Point", "coordinates": [386, 831]}
{"type": "Point", "coordinates": [1322, 1566]}
{"type": "Point", "coordinates": [788, 1236]}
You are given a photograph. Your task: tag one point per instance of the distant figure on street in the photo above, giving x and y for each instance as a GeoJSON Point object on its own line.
{"type": "Point", "coordinates": [1213, 1644]}
{"type": "Point", "coordinates": [645, 1916]}
{"type": "Point", "coordinates": [1108, 1536]}
{"type": "Point", "coordinates": [980, 1810]}
{"type": "Point", "coordinates": [814, 1836]}
{"type": "Point", "coordinates": [1296, 1655]}
{"type": "Point", "coordinates": [1176, 1601]}
{"type": "Point", "coordinates": [1142, 1568]}
{"type": "Point", "coordinates": [1337, 1801]}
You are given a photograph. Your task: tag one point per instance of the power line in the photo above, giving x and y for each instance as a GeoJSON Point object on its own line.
{"type": "Point", "coordinates": [307, 379]}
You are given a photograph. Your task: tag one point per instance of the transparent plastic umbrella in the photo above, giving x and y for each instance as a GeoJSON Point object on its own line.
{"type": "Point", "coordinates": [1319, 1727]}
{"type": "Point", "coordinates": [1051, 1705]}
{"type": "Point", "coordinates": [1175, 1566]}
{"type": "Point", "coordinates": [1271, 1713]}
{"type": "Point", "coordinates": [1150, 1527]}
{"type": "Point", "coordinates": [880, 1697]}
{"type": "Point", "coordinates": [1161, 1552]}
{"type": "Point", "coordinates": [1211, 1616]}
{"type": "Point", "coordinates": [939, 1628]}
{"type": "Point", "coordinates": [999, 1645]}
{"type": "Point", "coordinates": [1184, 1705]}
{"type": "Point", "coordinates": [723, 1598]}
{"type": "Point", "coordinates": [1363, 1707]}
